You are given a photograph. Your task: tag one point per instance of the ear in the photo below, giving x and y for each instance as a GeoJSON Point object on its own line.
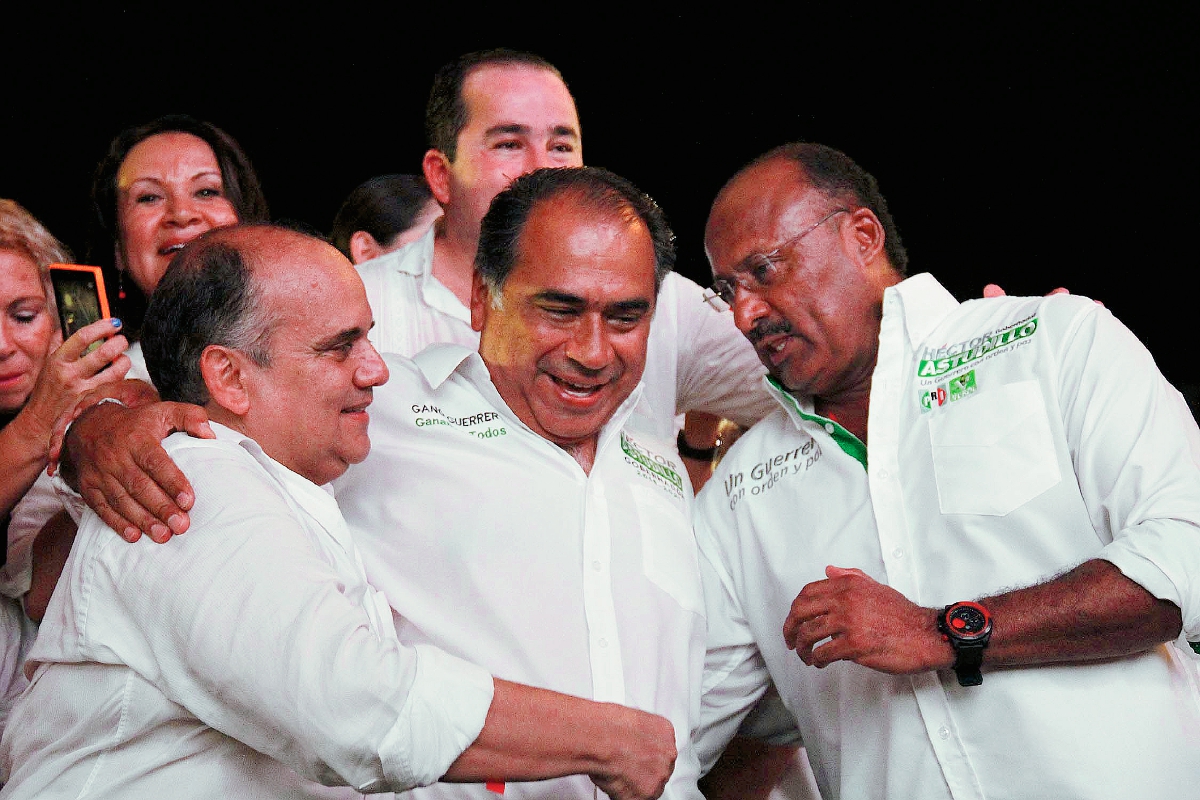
{"type": "Point", "coordinates": [224, 374]}
{"type": "Point", "coordinates": [867, 235]}
{"type": "Point", "coordinates": [363, 247]}
{"type": "Point", "coordinates": [436, 167]}
{"type": "Point", "coordinates": [481, 301]}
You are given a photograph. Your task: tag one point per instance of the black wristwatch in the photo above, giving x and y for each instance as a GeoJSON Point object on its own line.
{"type": "Point", "coordinates": [968, 628]}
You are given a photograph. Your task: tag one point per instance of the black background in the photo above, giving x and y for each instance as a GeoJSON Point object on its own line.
{"type": "Point", "coordinates": [1031, 147]}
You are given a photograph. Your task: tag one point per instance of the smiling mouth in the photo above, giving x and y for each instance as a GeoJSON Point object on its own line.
{"type": "Point", "coordinates": [581, 391]}
{"type": "Point", "coordinates": [172, 249]}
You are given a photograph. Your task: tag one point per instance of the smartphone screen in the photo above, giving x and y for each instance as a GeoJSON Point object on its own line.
{"type": "Point", "coordinates": [79, 294]}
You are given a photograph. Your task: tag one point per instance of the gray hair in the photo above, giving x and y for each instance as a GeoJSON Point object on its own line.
{"type": "Point", "coordinates": [207, 296]}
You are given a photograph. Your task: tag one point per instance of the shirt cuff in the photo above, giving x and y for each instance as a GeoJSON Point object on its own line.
{"type": "Point", "coordinates": [1160, 559]}
{"type": "Point", "coordinates": [445, 711]}
{"type": "Point", "coordinates": [72, 500]}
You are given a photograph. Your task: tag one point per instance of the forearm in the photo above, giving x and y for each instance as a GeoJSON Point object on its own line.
{"type": "Point", "coordinates": [1089, 613]}
{"type": "Point", "coordinates": [535, 734]}
{"type": "Point", "coordinates": [50, 551]}
{"type": "Point", "coordinates": [23, 447]}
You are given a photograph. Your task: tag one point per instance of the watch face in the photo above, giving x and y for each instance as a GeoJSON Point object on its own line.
{"type": "Point", "coordinates": [968, 621]}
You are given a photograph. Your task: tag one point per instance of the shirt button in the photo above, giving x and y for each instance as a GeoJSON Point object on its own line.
{"type": "Point", "coordinates": [884, 474]}
{"type": "Point", "coordinates": [596, 566]}
{"type": "Point", "coordinates": [898, 552]}
{"type": "Point", "coordinates": [829, 427]}
{"type": "Point", "coordinates": [602, 642]}
{"type": "Point", "coordinates": [944, 732]}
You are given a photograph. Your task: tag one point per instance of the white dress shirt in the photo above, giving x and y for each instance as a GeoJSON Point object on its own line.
{"type": "Point", "coordinates": [696, 359]}
{"type": "Point", "coordinates": [34, 510]}
{"type": "Point", "coordinates": [1010, 440]}
{"type": "Point", "coordinates": [246, 658]}
{"type": "Point", "coordinates": [500, 549]}
{"type": "Point", "coordinates": [30, 514]}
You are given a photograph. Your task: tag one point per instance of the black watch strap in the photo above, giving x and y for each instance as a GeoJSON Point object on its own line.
{"type": "Point", "coordinates": [695, 453]}
{"type": "Point", "coordinates": [967, 626]}
{"type": "Point", "coordinates": [967, 660]}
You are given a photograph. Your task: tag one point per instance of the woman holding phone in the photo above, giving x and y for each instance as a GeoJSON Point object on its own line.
{"type": "Point", "coordinates": [41, 377]}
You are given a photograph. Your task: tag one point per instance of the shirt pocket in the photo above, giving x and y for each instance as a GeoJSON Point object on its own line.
{"type": "Point", "coordinates": [993, 452]}
{"type": "Point", "coordinates": [669, 556]}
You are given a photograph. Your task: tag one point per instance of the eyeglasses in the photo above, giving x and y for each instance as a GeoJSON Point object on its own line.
{"type": "Point", "coordinates": [759, 271]}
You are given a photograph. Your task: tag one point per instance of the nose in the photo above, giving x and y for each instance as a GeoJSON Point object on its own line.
{"type": "Point", "coordinates": [8, 343]}
{"type": "Point", "coordinates": [372, 371]}
{"type": "Point", "coordinates": [539, 157]}
{"type": "Point", "coordinates": [182, 211]}
{"type": "Point", "coordinates": [589, 345]}
{"type": "Point", "coordinates": [748, 309]}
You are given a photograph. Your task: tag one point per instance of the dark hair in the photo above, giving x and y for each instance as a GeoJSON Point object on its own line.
{"type": "Point", "coordinates": [500, 231]}
{"type": "Point", "coordinates": [207, 296]}
{"type": "Point", "coordinates": [837, 176]}
{"type": "Point", "coordinates": [446, 111]}
{"type": "Point", "coordinates": [384, 206]}
{"type": "Point", "coordinates": [237, 176]}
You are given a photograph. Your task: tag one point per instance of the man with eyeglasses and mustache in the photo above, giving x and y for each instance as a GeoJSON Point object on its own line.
{"type": "Point", "coordinates": [1013, 442]}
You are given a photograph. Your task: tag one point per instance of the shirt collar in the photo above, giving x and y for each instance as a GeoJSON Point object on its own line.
{"type": "Point", "coordinates": [317, 501]}
{"type": "Point", "coordinates": [924, 303]}
{"type": "Point", "coordinates": [800, 410]}
{"type": "Point", "coordinates": [438, 362]}
{"type": "Point", "coordinates": [413, 258]}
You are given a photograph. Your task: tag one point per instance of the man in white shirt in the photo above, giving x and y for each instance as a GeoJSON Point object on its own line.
{"type": "Point", "coordinates": [250, 658]}
{"type": "Point", "coordinates": [544, 532]}
{"type": "Point", "coordinates": [1014, 442]}
{"type": "Point", "coordinates": [493, 116]}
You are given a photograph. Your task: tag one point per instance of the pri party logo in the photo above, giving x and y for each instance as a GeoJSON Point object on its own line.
{"type": "Point", "coordinates": [957, 388]}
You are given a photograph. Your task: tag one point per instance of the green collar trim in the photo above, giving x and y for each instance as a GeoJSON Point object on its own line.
{"type": "Point", "coordinates": [850, 444]}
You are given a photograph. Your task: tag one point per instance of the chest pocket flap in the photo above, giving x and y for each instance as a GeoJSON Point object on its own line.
{"type": "Point", "coordinates": [993, 452]}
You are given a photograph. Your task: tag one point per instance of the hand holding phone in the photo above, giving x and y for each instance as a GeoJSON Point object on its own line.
{"type": "Point", "coordinates": [93, 355]}
{"type": "Point", "coordinates": [79, 295]}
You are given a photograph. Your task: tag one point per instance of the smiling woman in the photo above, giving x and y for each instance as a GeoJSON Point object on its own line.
{"type": "Point", "coordinates": [161, 185]}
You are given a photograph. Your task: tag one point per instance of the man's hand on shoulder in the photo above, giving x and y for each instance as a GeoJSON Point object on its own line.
{"type": "Point", "coordinates": [866, 622]}
{"type": "Point", "coordinates": [113, 456]}
{"type": "Point", "coordinates": [129, 392]}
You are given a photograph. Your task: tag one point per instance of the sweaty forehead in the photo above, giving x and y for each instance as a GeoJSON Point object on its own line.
{"type": "Point", "coordinates": [758, 210]}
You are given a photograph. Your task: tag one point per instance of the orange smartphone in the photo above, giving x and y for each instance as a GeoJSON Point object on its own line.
{"type": "Point", "coordinates": [79, 294]}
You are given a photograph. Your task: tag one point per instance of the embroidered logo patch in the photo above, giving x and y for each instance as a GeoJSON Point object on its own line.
{"type": "Point", "coordinates": [955, 389]}
{"type": "Point", "coordinates": [653, 466]}
{"type": "Point", "coordinates": [932, 398]}
{"type": "Point", "coordinates": [477, 424]}
{"type": "Point", "coordinates": [962, 386]}
{"type": "Point", "coordinates": [937, 362]}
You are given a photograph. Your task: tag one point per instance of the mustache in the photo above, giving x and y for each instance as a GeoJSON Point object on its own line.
{"type": "Point", "coordinates": [765, 328]}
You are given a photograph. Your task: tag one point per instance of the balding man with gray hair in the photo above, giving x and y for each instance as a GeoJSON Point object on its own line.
{"type": "Point", "coordinates": [250, 658]}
